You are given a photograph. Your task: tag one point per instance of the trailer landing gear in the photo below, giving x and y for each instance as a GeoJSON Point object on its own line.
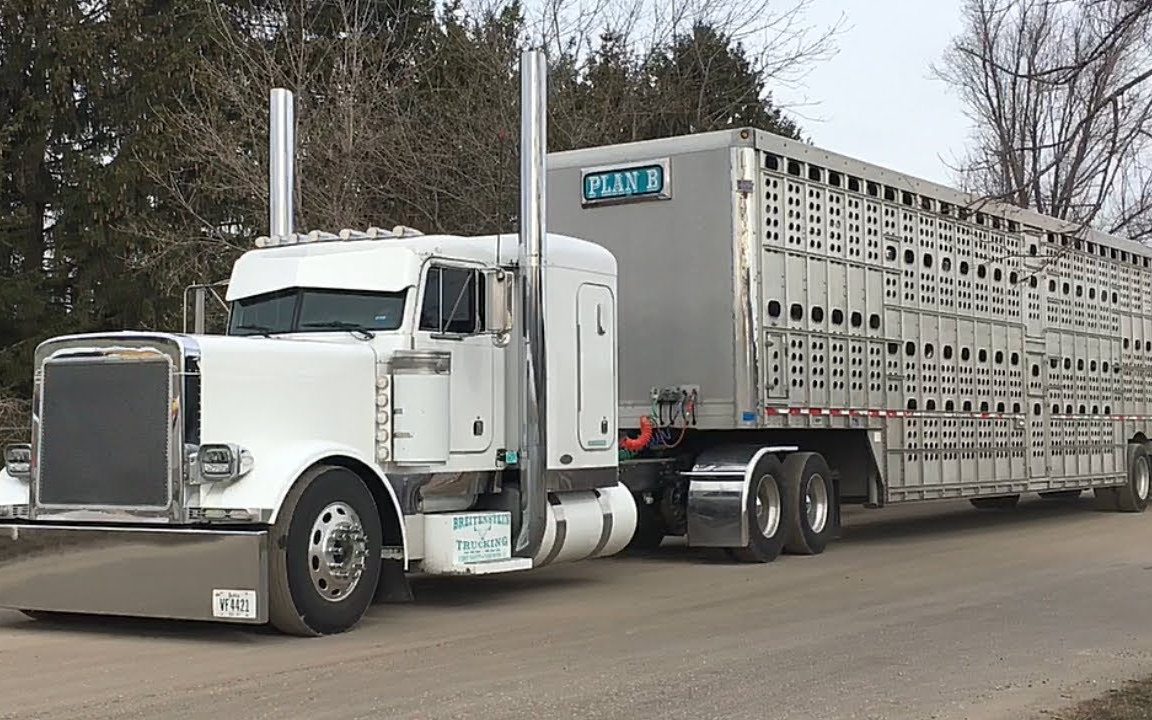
{"type": "Point", "coordinates": [1061, 495]}
{"type": "Point", "coordinates": [1000, 502]}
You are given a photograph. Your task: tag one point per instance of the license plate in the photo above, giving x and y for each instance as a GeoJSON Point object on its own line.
{"type": "Point", "coordinates": [234, 604]}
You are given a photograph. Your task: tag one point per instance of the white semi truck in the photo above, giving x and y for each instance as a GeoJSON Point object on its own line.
{"type": "Point", "coordinates": [725, 336]}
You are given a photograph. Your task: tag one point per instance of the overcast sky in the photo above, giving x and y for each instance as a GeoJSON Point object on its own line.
{"type": "Point", "coordinates": [876, 100]}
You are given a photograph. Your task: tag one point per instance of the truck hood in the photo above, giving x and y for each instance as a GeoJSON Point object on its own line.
{"type": "Point", "coordinates": [269, 393]}
{"type": "Point", "coordinates": [274, 397]}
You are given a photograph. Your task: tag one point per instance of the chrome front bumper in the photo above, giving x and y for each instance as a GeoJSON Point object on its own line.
{"type": "Point", "coordinates": [177, 573]}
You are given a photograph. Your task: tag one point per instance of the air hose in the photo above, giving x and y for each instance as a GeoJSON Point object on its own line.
{"type": "Point", "coordinates": [640, 442]}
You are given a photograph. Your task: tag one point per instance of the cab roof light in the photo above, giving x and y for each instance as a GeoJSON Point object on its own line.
{"type": "Point", "coordinates": [372, 233]}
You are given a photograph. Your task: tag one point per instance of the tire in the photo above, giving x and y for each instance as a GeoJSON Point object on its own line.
{"type": "Point", "coordinates": [810, 499]}
{"type": "Point", "coordinates": [1132, 496]}
{"type": "Point", "coordinates": [1061, 495]}
{"type": "Point", "coordinates": [306, 595]}
{"type": "Point", "coordinates": [649, 527]}
{"type": "Point", "coordinates": [767, 521]}
{"type": "Point", "coordinates": [1002, 502]}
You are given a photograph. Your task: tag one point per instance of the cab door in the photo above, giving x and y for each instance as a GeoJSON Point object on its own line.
{"type": "Point", "coordinates": [451, 317]}
{"type": "Point", "coordinates": [596, 366]}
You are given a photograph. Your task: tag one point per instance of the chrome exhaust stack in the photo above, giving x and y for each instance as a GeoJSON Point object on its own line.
{"type": "Point", "coordinates": [281, 163]}
{"type": "Point", "coordinates": [533, 394]}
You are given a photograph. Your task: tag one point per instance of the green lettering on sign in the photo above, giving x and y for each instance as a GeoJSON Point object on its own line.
{"type": "Point", "coordinates": [481, 537]}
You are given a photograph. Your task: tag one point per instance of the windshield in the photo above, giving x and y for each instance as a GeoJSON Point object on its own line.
{"type": "Point", "coordinates": [304, 310]}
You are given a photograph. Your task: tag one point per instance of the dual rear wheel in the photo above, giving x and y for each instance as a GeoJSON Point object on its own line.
{"type": "Point", "coordinates": [790, 507]}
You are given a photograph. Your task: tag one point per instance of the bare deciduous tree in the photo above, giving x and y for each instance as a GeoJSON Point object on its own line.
{"type": "Point", "coordinates": [14, 413]}
{"type": "Point", "coordinates": [1060, 96]}
{"type": "Point", "coordinates": [344, 60]}
{"type": "Point", "coordinates": [405, 117]}
{"type": "Point", "coordinates": [776, 35]}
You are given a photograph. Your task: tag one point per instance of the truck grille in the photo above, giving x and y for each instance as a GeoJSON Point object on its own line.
{"type": "Point", "coordinates": [105, 434]}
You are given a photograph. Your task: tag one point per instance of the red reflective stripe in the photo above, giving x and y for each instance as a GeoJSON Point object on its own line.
{"type": "Point", "coordinates": [876, 412]}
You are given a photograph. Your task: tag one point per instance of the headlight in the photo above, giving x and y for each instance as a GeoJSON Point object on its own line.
{"type": "Point", "coordinates": [223, 462]}
{"type": "Point", "coordinates": [18, 460]}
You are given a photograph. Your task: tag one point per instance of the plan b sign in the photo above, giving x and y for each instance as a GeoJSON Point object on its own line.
{"type": "Point", "coordinates": [626, 183]}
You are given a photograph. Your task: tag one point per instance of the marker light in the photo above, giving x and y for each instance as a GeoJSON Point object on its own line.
{"type": "Point", "coordinates": [372, 233]}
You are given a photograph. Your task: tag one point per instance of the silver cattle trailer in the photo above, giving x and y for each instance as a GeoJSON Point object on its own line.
{"type": "Point", "coordinates": [801, 329]}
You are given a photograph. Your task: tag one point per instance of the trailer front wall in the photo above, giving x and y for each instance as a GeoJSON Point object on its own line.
{"type": "Point", "coordinates": [674, 261]}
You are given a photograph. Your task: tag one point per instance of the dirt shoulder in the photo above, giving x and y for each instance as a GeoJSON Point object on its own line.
{"type": "Point", "coordinates": [1131, 701]}
{"type": "Point", "coordinates": [921, 612]}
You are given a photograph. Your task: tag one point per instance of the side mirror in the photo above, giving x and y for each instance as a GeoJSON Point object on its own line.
{"type": "Point", "coordinates": [200, 309]}
{"type": "Point", "coordinates": [500, 286]}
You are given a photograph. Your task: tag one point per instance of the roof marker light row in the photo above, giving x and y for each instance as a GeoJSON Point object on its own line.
{"type": "Point", "coordinates": [372, 233]}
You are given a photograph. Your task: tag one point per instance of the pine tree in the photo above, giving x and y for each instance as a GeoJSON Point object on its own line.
{"type": "Point", "coordinates": [704, 82]}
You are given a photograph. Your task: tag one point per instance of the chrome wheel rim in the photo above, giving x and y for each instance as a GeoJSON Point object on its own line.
{"type": "Point", "coordinates": [768, 506]}
{"type": "Point", "coordinates": [816, 503]}
{"type": "Point", "coordinates": [337, 552]}
{"type": "Point", "coordinates": [1143, 478]}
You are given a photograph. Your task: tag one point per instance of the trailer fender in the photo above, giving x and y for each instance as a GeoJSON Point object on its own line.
{"type": "Point", "coordinates": [718, 487]}
{"type": "Point", "coordinates": [270, 479]}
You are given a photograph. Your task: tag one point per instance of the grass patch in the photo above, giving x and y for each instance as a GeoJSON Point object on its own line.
{"type": "Point", "coordinates": [1133, 701]}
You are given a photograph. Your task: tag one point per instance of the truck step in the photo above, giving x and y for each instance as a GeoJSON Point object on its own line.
{"type": "Point", "coordinates": [489, 567]}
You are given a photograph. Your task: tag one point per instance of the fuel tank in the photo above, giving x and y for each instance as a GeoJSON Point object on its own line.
{"type": "Point", "coordinates": [584, 524]}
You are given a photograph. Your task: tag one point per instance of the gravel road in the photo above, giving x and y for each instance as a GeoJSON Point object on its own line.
{"type": "Point", "coordinates": [923, 612]}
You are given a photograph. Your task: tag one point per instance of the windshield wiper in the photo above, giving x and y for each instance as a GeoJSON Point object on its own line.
{"type": "Point", "coordinates": [342, 325]}
{"type": "Point", "coordinates": [258, 329]}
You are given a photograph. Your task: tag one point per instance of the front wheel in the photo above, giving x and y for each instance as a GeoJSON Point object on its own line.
{"type": "Point", "coordinates": [325, 554]}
